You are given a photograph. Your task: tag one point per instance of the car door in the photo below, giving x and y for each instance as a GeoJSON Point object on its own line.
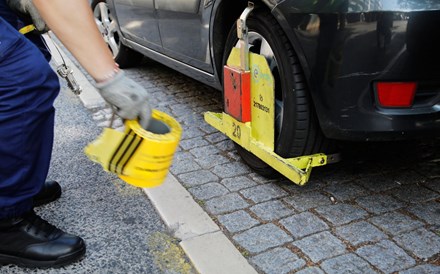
{"type": "Point", "coordinates": [184, 31]}
{"type": "Point", "coordinates": [137, 19]}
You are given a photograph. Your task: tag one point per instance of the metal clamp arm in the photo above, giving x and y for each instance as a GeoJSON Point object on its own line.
{"type": "Point", "coordinates": [242, 34]}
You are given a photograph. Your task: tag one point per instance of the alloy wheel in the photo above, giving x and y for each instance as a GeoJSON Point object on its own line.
{"type": "Point", "coordinates": [107, 26]}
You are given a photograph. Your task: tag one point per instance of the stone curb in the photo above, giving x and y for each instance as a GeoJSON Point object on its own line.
{"type": "Point", "coordinates": [203, 241]}
{"type": "Point", "coordinates": [205, 244]}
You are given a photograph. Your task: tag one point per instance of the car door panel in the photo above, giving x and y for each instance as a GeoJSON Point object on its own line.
{"type": "Point", "coordinates": [137, 19]}
{"type": "Point", "coordinates": [184, 32]}
{"type": "Point", "coordinates": [189, 6]}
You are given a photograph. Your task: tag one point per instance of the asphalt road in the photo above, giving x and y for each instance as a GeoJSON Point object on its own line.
{"type": "Point", "coordinates": [122, 230]}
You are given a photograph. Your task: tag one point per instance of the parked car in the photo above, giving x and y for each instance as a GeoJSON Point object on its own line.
{"type": "Point", "coordinates": [353, 70]}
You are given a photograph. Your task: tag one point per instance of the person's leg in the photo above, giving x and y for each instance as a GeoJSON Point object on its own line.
{"type": "Point", "coordinates": [28, 88]}
{"type": "Point", "coordinates": [51, 190]}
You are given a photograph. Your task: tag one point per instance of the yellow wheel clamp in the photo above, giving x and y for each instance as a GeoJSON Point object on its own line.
{"type": "Point", "coordinates": [139, 157]}
{"type": "Point", "coordinates": [254, 131]}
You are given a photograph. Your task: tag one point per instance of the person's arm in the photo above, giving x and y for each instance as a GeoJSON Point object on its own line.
{"type": "Point", "coordinates": [73, 23]}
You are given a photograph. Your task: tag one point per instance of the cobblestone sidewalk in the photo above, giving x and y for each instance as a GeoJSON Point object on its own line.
{"type": "Point", "coordinates": [377, 211]}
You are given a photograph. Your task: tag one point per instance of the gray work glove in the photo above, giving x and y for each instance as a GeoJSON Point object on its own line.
{"type": "Point", "coordinates": [26, 8]}
{"type": "Point", "coordinates": [129, 98]}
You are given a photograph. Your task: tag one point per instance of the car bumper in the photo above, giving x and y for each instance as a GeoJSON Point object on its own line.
{"type": "Point", "coordinates": [345, 51]}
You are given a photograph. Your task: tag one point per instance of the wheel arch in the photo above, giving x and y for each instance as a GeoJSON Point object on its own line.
{"type": "Point", "coordinates": [226, 13]}
{"type": "Point", "coordinates": [295, 42]}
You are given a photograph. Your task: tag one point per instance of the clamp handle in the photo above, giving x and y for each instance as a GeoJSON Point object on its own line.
{"type": "Point", "coordinates": [27, 29]}
{"type": "Point", "coordinates": [242, 34]}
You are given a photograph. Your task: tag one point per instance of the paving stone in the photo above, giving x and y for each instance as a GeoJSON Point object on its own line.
{"type": "Point", "coordinates": [307, 200]}
{"type": "Point", "coordinates": [238, 183]}
{"type": "Point", "coordinates": [346, 191]}
{"type": "Point", "coordinates": [303, 224]}
{"type": "Point", "coordinates": [311, 270]}
{"type": "Point", "coordinates": [340, 214]}
{"type": "Point", "coordinates": [184, 162]}
{"type": "Point", "coordinates": [415, 194]}
{"type": "Point", "coordinates": [406, 177]}
{"type": "Point", "coordinates": [233, 155]}
{"type": "Point", "coordinates": [209, 161]}
{"type": "Point", "coordinates": [192, 119]}
{"type": "Point", "coordinates": [334, 174]}
{"type": "Point", "coordinates": [262, 237]}
{"type": "Point", "coordinates": [395, 223]}
{"type": "Point", "coordinates": [422, 269]}
{"type": "Point", "coordinates": [312, 185]}
{"type": "Point", "coordinates": [192, 143]}
{"type": "Point", "coordinates": [321, 246]}
{"type": "Point", "coordinates": [379, 203]}
{"type": "Point", "coordinates": [208, 191]}
{"type": "Point", "coordinates": [230, 170]}
{"type": "Point", "coordinates": [199, 177]}
{"type": "Point", "coordinates": [271, 210]}
{"type": "Point", "coordinates": [386, 256]}
{"type": "Point", "coordinates": [434, 184]}
{"type": "Point", "coordinates": [216, 137]}
{"type": "Point", "coordinates": [346, 264]}
{"type": "Point", "coordinates": [225, 145]}
{"type": "Point", "coordinates": [263, 193]}
{"type": "Point", "coordinates": [421, 242]}
{"type": "Point", "coordinates": [199, 152]}
{"type": "Point", "coordinates": [429, 212]}
{"type": "Point", "coordinates": [237, 221]}
{"type": "Point", "coordinates": [190, 132]}
{"type": "Point", "coordinates": [226, 203]}
{"type": "Point", "coordinates": [378, 183]}
{"type": "Point", "coordinates": [207, 128]}
{"type": "Point", "coordinates": [278, 261]}
{"type": "Point", "coordinates": [429, 169]}
{"type": "Point", "coordinates": [261, 179]}
{"type": "Point", "coordinates": [360, 232]}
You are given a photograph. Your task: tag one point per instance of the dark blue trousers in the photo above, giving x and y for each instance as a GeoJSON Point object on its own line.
{"type": "Point", "coordinates": [28, 88]}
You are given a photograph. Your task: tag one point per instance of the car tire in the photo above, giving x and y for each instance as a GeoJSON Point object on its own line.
{"type": "Point", "coordinates": [297, 130]}
{"type": "Point", "coordinates": [108, 26]}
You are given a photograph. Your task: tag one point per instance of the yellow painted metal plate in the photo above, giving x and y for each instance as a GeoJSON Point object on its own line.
{"type": "Point", "coordinates": [234, 58]}
{"type": "Point", "coordinates": [262, 101]}
{"type": "Point", "coordinates": [262, 96]}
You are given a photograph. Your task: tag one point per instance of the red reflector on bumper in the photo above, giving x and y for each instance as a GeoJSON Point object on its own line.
{"type": "Point", "coordinates": [395, 94]}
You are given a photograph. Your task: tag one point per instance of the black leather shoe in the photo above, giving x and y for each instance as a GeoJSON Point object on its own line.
{"type": "Point", "coordinates": [30, 241]}
{"type": "Point", "coordinates": [50, 192]}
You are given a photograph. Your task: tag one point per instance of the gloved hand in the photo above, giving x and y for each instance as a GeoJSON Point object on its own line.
{"type": "Point", "coordinates": [27, 9]}
{"type": "Point", "coordinates": [129, 98]}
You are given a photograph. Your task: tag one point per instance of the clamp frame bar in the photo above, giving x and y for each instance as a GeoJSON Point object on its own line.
{"type": "Point", "coordinates": [242, 34]}
{"type": "Point", "coordinates": [296, 169]}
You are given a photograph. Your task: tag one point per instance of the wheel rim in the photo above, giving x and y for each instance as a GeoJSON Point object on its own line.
{"type": "Point", "coordinates": [107, 26]}
{"type": "Point", "coordinates": [259, 45]}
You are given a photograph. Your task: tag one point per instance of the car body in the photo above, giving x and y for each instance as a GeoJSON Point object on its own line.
{"type": "Point", "coordinates": [348, 61]}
